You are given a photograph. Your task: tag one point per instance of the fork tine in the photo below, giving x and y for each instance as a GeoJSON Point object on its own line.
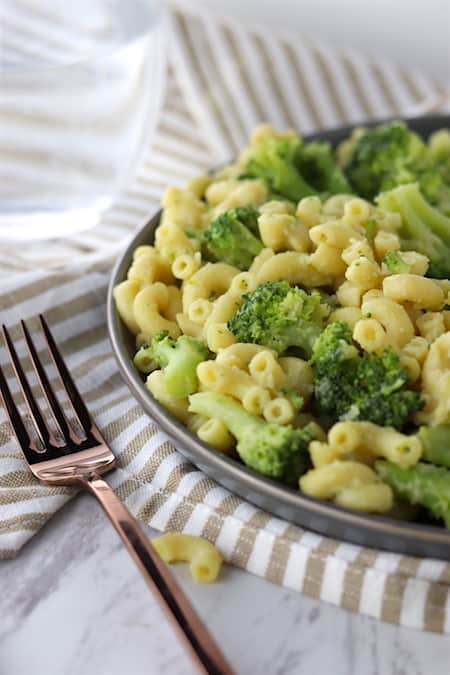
{"type": "Point", "coordinates": [14, 415]}
{"type": "Point", "coordinates": [53, 403]}
{"type": "Point", "coordinates": [80, 410]}
{"type": "Point", "coordinates": [33, 409]}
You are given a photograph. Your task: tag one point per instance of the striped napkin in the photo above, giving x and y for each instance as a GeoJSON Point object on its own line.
{"type": "Point", "coordinates": [222, 79]}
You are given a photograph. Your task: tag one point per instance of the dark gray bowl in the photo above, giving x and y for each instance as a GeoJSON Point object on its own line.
{"type": "Point", "coordinates": [313, 514]}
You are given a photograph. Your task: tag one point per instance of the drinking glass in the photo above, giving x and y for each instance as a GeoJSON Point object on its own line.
{"type": "Point", "coordinates": [80, 89]}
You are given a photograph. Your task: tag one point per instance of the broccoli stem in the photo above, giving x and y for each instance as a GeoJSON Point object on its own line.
{"type": "Point", "coordinates": [423, 484]}
{"type": "Point", "coordinates": [232, 414]}
{"type": "Point", "coordinates": [424, 228]}
{"type": "Point", "coordinates": [274, 450]}
{"type": "Point", "coordinates": [410, 196]}
{"type": "Point", "coordinates": [436, 444]}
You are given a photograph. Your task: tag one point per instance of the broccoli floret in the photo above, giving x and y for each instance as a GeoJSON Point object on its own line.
{"type": "Point", "coordinates": [436, 444]}
{"type": "Point", "coordinates": [424, 228]}
{"type": "Point", "coordinates": [395, 263]}
{"type": "Point", "coordinates": [295, 170]}
{"type": "Point", "coordinates": [350, 386]}
{"type": "Point", "coordinates": [276, 451]}
{"type": "Point", "coordinates": [179, 359]}
{"type": "Point", "coordinates": [318, 166]}
{"type": "Point", "coordinates": [229, 238]}
{"type": "Point", "coordinates": [390, 155]}
{"type": "Point", "coordinates": [275, 161]}
{"type": "Point", "coordinates": [423, 484]}
{"type": "Point", "coordinates": [279, 316]}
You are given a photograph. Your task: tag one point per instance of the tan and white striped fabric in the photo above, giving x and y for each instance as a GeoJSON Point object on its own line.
{"type": "Point", "coordinates": [223, 79]}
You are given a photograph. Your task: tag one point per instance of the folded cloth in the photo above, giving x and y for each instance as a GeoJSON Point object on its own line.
{"type": "Point", "coordinates": [223, 80]}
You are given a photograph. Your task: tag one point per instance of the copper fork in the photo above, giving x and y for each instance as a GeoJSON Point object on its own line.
{"type": "Point", "coordinates": [75, 457]}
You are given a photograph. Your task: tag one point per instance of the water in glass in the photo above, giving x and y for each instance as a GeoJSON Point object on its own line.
{"type": "Point", "coordinates": [80, 86]}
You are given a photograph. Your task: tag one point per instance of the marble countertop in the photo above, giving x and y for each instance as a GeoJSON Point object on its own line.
{"type": "Point", "coordinates": [73, 603]}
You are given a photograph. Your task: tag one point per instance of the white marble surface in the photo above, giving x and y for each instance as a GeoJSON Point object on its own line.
{"type": "Point", "coordinates": [73, 603]}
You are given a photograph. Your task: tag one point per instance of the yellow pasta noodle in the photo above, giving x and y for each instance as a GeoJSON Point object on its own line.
{"type": "Point", "coordinates": [334, 233]}
{"type": "Point", "coordinates": [200, 310]}
{"type": "Point", "coordinates": [189, 327]}
{"type": "Point", "coordinates": [373, 498]}
{"type": "Point", "coordinates": [423, 292]}
{"type": "Point", "coordinates": [266, 371]}
{"type": "Point", "coordinates": [205, 560]}
{"type": "Point", "coordinates": [393, 317]}
{"type": "Point", "coordinates": [282, 232]}
{"type": "Point", "coordinates": [350, 484]}
{"type": "Point", "coordinates": [417, 348]}
{"type": "Point", "coordinates": [211, 281]}
{"type": "Point", "coordinates": [235, 382]}
{"type": "Point", "coordinates": [149, 307]}
{"type": "Point", "coordinates": [279, 411]}
{"type": "Point", "coordinates": [178, 407]}
{"type": "Point", "coordinates": [294, 267]}
{"type": "Point", "coordinates": [356, 211]}
{"type": "Point", "coordinates": [349, 294]}
{"type": "Point", "coordinates": [348, 314]}
{"type": "Point", "coordinates": [218, 337]}
{"type": "Point", "coordinates": [327, 260]}
{"type": "Point", "coordinates": [431, 325]}
{"type": "Point", "coordinates": [334, 206]}
{"type": "Point", "coordinates": [149, 266]}
{"type": "Point", "coordinates": [308, 210]}
{"type": "Point", "coordinates": [436, 383]}
{"type": "Point", "coordinates": [182, 207]}
{"type": "Point", "coordinates": [276, 206]}
{"type": "Point", "coordinates": [346, 437]}
{"type": "Point", "coordinates": [384, 242]}
{"type": "Point", "coordinates": [357, 249]}
{"type": "Point", "coordinates": [371, 335]}
{"type": "Point", "coordinates": [322, 453]}
{"type": "Point", "coordinates": [214, 432]}
{"type": "Point", "coordinates": [124, 296]}
{"type": "Point", "coordinates": [186, 264]}
{"type": "Point", "coordinates": [363, 272]}
{"type": "Point", "coordinates": [240, 354]}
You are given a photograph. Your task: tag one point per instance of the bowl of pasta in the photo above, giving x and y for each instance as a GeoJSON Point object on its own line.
{"type": "Point", "coordinates": [285, 319]}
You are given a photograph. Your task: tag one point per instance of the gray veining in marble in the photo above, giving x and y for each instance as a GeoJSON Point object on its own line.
{"type": "Point", "coordinates": [73, 603]}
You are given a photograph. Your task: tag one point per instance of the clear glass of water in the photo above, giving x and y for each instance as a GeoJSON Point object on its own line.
{"type": "Point", "coordinates": [80, 90]}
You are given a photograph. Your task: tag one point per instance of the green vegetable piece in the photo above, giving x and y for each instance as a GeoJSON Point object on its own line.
{"type": "Point", "coordinates": [439, 144]}
{"type": "Point", "coordinates": [395, 263]}
{"type": "Point", "coordinates": [279, 316]}
{"type": "Point", "coordinates": [295, 170]}
{"type": "Point", "coordinates": [350, 386]}
{"type": "Point", "coordinates": [423, 484]}
{"type": "Point", "coordinates": [436, 444]}
{"type": "Point", "coordinates": [280, 452]}
{"type": "Point", "coordinates": [295, 399]}
{"type": "Point", "coordinates": [144, 360]}
{"type": "Point", "coordinates": [424, 228]}
{"type": "Point", "coordinates": [390, 155]}
{"type": "Point", "coordinates": [275, 161]}
{"type": "Point", "coordinates": [179, 360]}
{"type": "Point", "coordinates": [318, 167]}
{"type": "Point", "coordinates": [229, 237]}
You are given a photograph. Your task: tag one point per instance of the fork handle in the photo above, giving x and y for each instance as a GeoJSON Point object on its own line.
{"type": "Point", "coordinates": [200, 644]}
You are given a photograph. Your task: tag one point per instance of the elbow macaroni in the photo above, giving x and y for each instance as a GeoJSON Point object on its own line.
{"type": "Point", "coordinates": [205, 560]}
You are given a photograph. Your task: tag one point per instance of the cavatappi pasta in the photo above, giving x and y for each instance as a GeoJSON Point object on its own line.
{"type": "Point", "coordinates": [336, 244]}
